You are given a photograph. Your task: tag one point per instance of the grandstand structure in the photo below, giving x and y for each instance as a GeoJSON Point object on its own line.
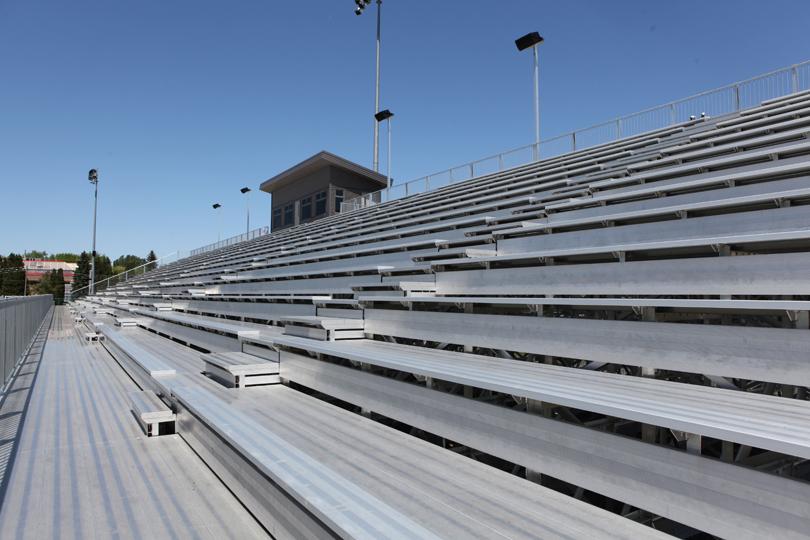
{"type": "Point", "coordinates": [609, 343]}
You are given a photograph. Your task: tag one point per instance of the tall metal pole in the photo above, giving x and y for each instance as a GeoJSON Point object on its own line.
{"type": "Point", "coordinates": [536, 104]}
{"type": "Point", "coordinates": [93, 255]}
{"type": "Point", "coordinates": [377, 95]}
{"type": "Point", "coordinates": [388, 175]}
{"type": "Point", "coordinates": [247, 209]}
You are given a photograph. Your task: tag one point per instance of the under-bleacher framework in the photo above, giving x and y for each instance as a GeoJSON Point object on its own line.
{"type": "Point", "coordinates": [611, 342]}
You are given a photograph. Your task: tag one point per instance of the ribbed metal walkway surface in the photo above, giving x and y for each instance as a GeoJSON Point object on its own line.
{"type": "Point", "coordinates": [83, 469]}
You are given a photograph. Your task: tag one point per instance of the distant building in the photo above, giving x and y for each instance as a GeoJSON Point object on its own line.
{"type": "Point", "coordinates": [314, 188]}
{"type": "Point", "coordinates": [36, 268]}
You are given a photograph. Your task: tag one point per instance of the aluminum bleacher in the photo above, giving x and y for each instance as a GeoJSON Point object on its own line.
{"type": "Point", "coordinates": [611, 342]}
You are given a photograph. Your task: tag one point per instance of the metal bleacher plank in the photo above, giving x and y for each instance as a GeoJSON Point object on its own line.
{"type": "Point", "coordinates": [780, 274]}
{"type": "Point", "coordinates": [729, 305]}
{"type": "Point", "coordinates": [761, 354]}
{"type": "Point", "coordinates": [722, 499]}
{"type": "Point", "coordinates": [741, 417]}
{"type": "Point", "coordinates": [741, 223]}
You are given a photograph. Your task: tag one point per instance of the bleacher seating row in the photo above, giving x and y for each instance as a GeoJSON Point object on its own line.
{"type": "Point", "coordinates": [626, 324]}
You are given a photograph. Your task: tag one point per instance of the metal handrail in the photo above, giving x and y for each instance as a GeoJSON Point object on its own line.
{"type": "Point", "coordinates": [127, 273]}
{"type": "Point", "coordinates": [177, 255]}
{"type": "Point", "coordinates": [250, 235]}
{"type": "Point", "coordinates": [726, 99]}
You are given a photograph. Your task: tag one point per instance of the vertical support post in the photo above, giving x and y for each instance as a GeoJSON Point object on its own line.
{"type": "Point", "coordinates": [247, 212]}
{"type": "Point", "coordinates": [737, 97]}
{"type": "Point", "coordinates": [388, 174]}
{"type": "Point", "coordinates": [649, 433]}
{"type": "Point", "coordinates": [672, 113]}
{"type": "Point", "coordinates": [694, 443]}
{"type": "Point", "coordinates": [536, 103]}
{"type": "Point", "coordinates": [377, 95]}
{"type": "Point", "coordinates": [794, 78]}
{"type": "Point", "coordinates": [573, 141]}
{"type": "Point", "coordinates": [92, 288]}
{"type": "Point", "coordinates": [619, 128]}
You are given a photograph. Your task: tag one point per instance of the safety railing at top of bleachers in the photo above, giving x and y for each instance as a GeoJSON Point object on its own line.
{"type": "Point", "coordinates": [717, 102]}
{"type": "Point", "coordinates": [20, 319]}
{"type": "Point", "coordinates": [250, 235]}
{"type": "Point", "coordinates": [126, 275]}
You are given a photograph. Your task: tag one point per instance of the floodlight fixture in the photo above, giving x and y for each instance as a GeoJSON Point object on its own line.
{"type": "Point", "coordinates": [383, 115]}
{"type": "Point", "coordinates": [216, 205]}
{"type": "Point", "coordinates": [244, 190]}
{"type": "Point", "coordinates": [92, 176]}
{"type": "Point", "coordinates": [529, 40]}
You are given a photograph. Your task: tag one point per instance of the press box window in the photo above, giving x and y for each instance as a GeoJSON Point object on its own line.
{"type": "Point", "coordinates": [289, 214]}
{"type": "Point", "coordinates": [320, 203]}
{"type": "Point", "coordinates": [277, 217]}
{"type": "Point", "coordinates": [338, 199]}
{"type": "Point", "coordinates": [306, 208]}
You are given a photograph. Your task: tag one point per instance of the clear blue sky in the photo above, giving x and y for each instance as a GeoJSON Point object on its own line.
{"type": "Point", "coordinates": [181, 103]}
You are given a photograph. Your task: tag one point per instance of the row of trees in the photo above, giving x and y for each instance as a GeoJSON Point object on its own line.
{"type": "Point", "coordinates": [12, 275]}
{"type": "Point", "coordinates": [106, 269]}
{"type": "Point", "coordinates": [12, 272]}
{"type": "Point", "coordinates": [43, 255]}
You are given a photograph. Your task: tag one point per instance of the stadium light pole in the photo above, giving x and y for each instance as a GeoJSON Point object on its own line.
{"type": "Point", "coordinates": [379, 117]}
{"type": "Point", "coordinates": [358, 10]}
{"type": "Point", "coordinates": [92, 176]}
{"type": "Point", "coordinates": [217, 206]}
{"type": "Point", "coordinates": [245, 190]}
{"type": "Point", "coordinates": [532, 40]}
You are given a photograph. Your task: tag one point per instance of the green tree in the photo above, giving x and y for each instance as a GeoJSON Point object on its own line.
{"type": "Point", "coordinates": [103, 270]}
{"type": "Point", "coordinates": [67, 257]}
{"type": "Point", "coordinates": [152, 259]}
{"type": "Point", "coordinates": [59, 287]}
{"type": "Point", "coordinates": [13, 276]}
{"type": "Point", "coordinates": [34, 254]}
{"type": "Point", "coordinates": [2, 272]}
{"type": "Point", "coordinates": [45, 284]}
{"type": "Point", "coordinates": [128, 262]}
{"type": "Point", "coordinates": [81, 277]}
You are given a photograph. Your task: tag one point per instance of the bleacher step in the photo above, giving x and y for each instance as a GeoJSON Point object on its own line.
{"type": "Point", "coordinates": [324, 328]}
{"type": "Point", "coordinates": [240, 369]}
{"type": "Point", "coordinates": [154, 416]}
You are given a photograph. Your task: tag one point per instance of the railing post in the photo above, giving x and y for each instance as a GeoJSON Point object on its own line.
{"type": "Point", "coordinates": [737, 97]}
{"type": "Point", "coordinates": [573, 141]}
{"type": "Point", "coordinates": [619, 128]}
{"type": "Point", "coordinates": [427, 180]}
{"type": "Point", "coordinates": [671, 113]}
{"type": "Point", "coordinates": [406, 188]}
{"type": "Point", "coordinates": [472, 170]}
{"type": "Point", "coordinates": [794, 76]}
{"type": "Point", "coordinates": [500, 162]}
